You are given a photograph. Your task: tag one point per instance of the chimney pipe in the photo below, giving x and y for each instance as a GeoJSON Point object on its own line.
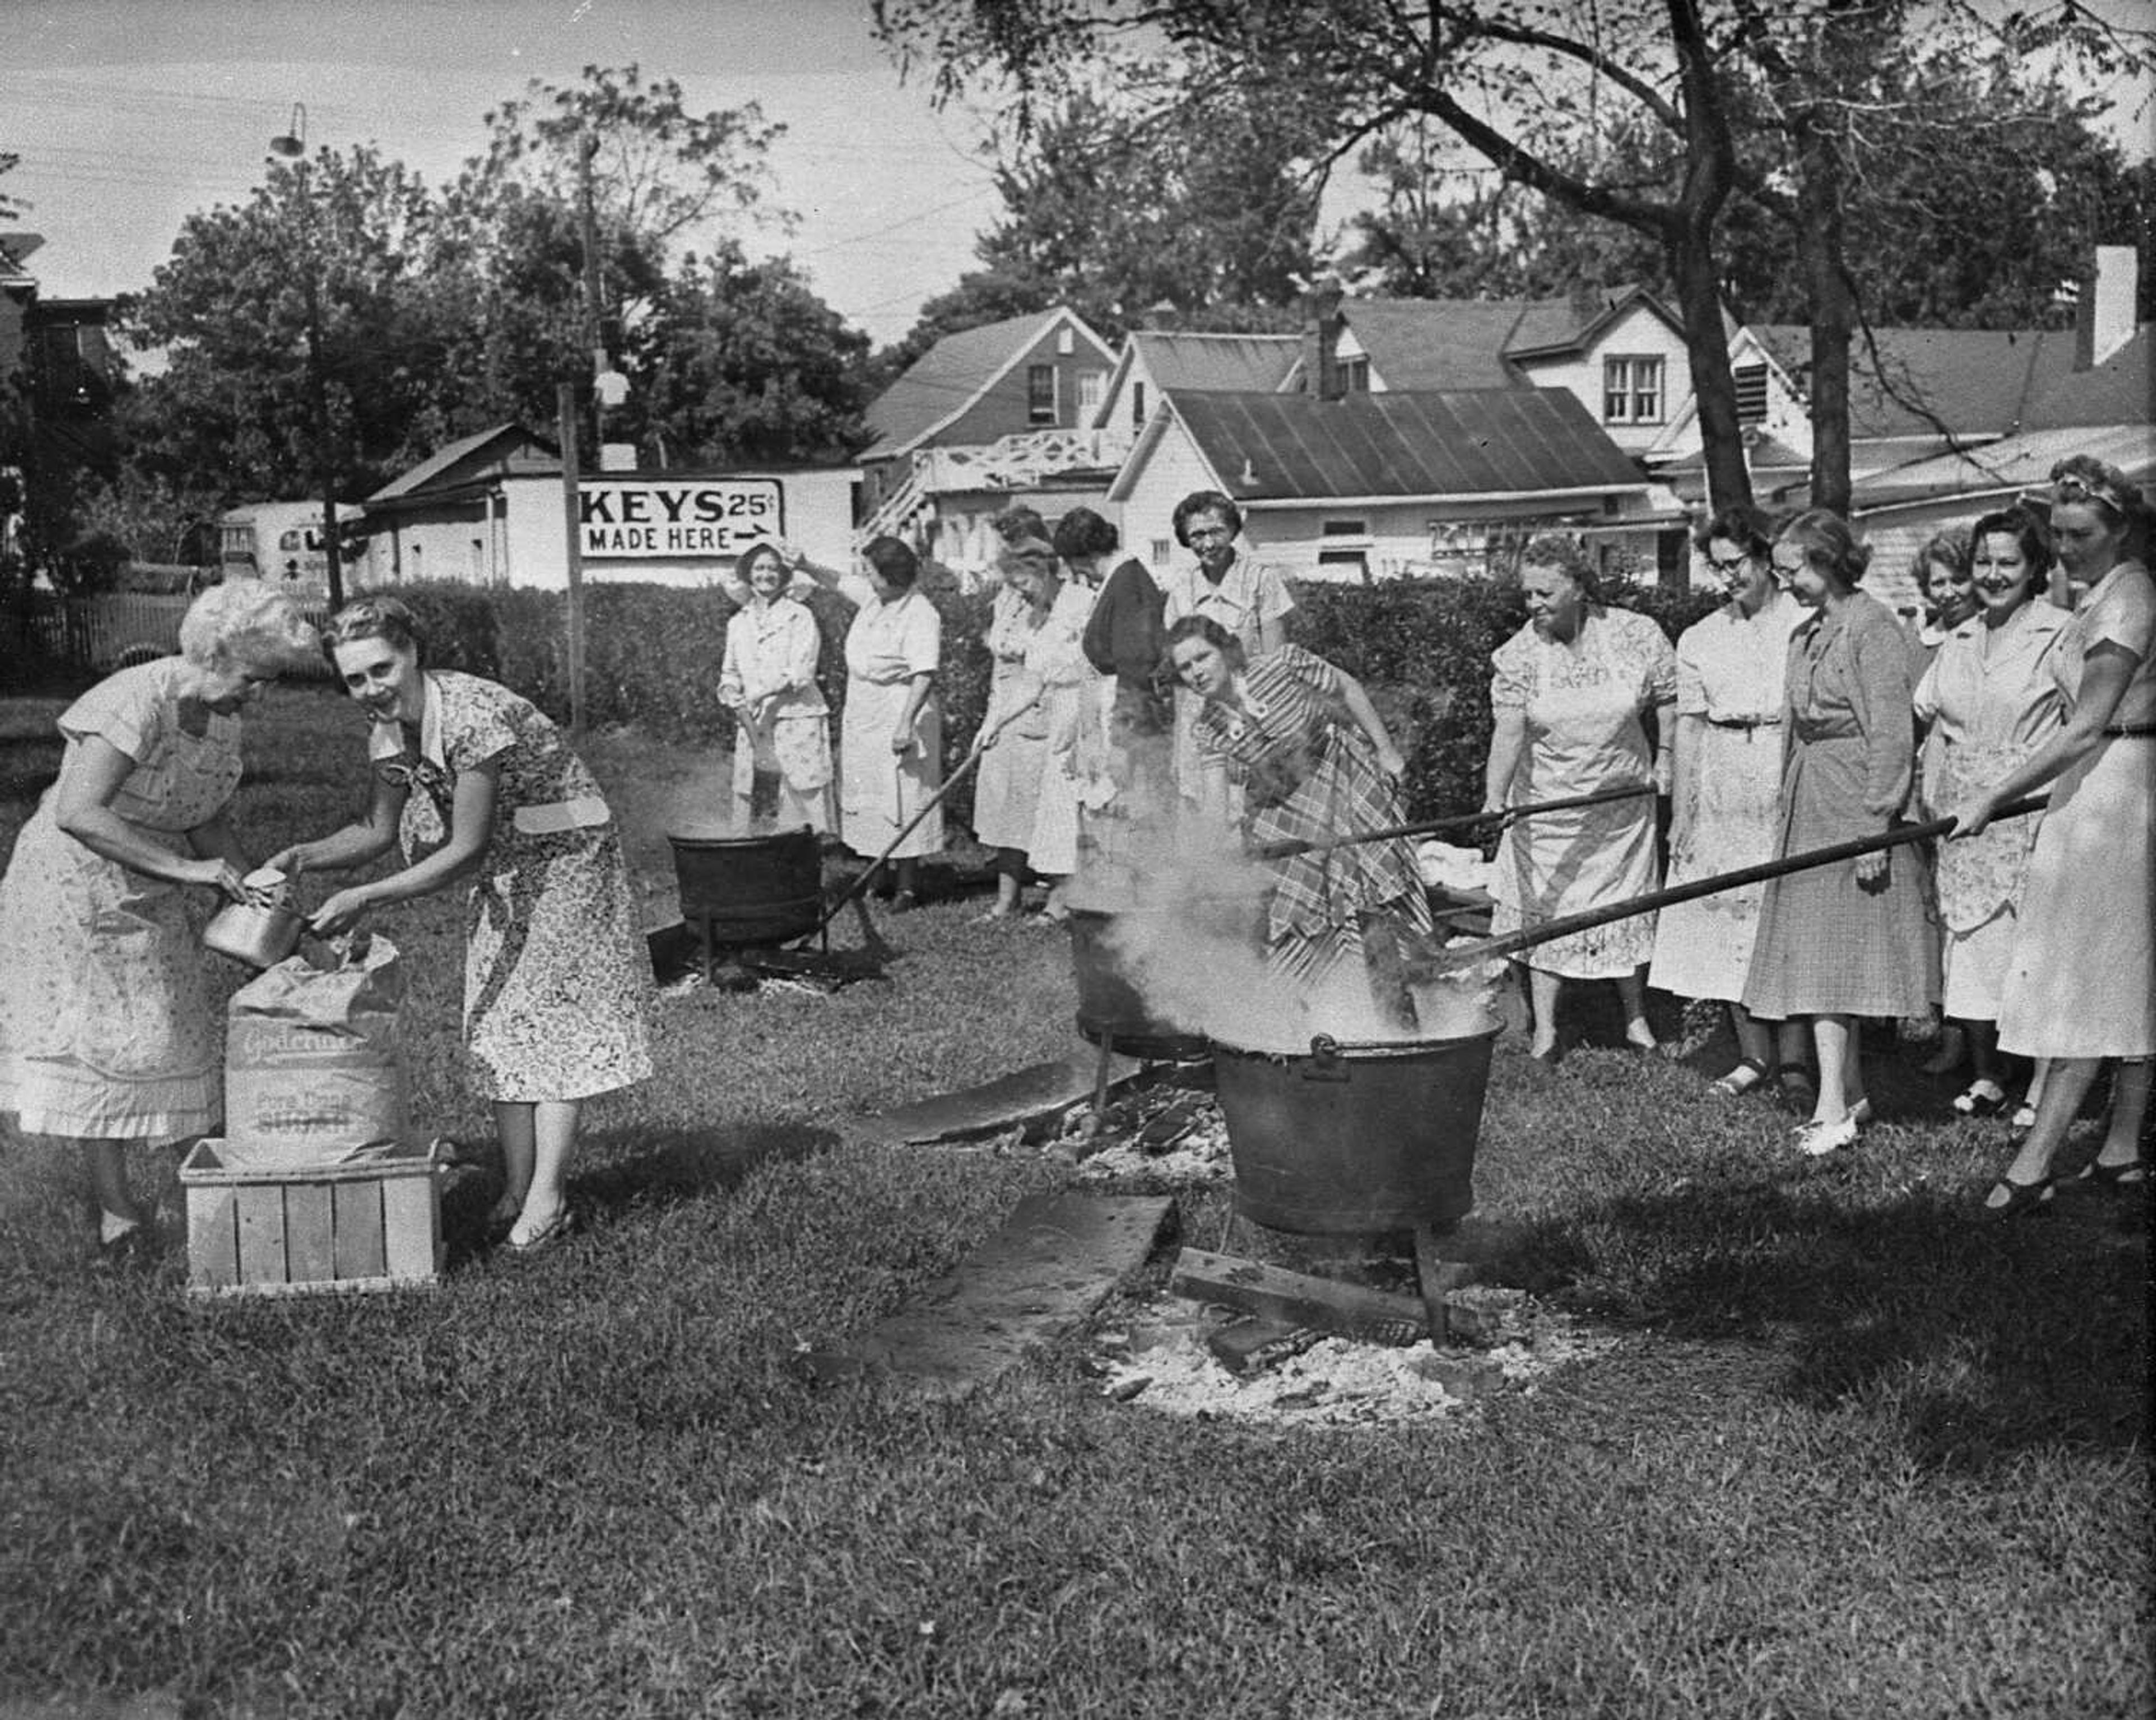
{"type": "Point", "coordinates": [1321, 340]}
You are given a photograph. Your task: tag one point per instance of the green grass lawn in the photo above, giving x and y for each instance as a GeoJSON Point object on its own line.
{"type": "Point", "coordinates": [1853, 1453]}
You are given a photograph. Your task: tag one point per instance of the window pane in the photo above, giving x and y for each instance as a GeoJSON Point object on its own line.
{"type": "Point", "coordinates": [1040, 393]}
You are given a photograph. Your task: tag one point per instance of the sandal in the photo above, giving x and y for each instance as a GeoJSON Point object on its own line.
{"type": "Point", "coordinates": [2024, 1118]}
{"type": "Point", "coordinates": [2110, 1178]}
{"type": "Point", "coordinates": [1748, 1074]}
{"type": "Point", "coordinates": [1818, 1139]}
{"type": "Point", "coordinates": [1983, 1098]}
{"type": "Point", "coordinates": [552, 1231]}
{"type": "Point", "coordinates": [2021, 1197]}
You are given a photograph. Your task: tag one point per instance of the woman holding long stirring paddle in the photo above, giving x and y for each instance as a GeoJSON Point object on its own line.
{"type": "Point", "coordinates": [2082, 983]}
{"type": "Point", "coordinates": [1854, 938]}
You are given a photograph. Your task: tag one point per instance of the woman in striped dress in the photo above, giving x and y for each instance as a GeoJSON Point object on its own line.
{"type": "Point", "coordinates": [1311, 754]}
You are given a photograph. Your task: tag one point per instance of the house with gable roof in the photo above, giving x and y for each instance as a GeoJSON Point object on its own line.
{"type": "Point", "coordinates": [985, 418]}
{"type": "Point", "coordinates": [1157, 359]}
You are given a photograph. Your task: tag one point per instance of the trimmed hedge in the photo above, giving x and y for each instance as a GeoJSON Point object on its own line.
{"type": "Point", "coordinates": [652, 657]}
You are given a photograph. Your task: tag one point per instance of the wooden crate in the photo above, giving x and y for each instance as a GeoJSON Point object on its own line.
{"type": "Point", "coordinates": [376, 1226]}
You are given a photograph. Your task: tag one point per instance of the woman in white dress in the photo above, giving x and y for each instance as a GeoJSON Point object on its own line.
{"type": "Point", "coordinates": [1007, 793]}
{"type": "Point", "coordinates": [112, 1014]}
{"type": "Point", "coordinates": [2082, 983]}
{"type": "Point", "coordinates": [1725, 778]}
{"type": "Point", "coordinates": [891, 739]}
{"type": "Point", "coordinates": [1987, 701]}
{"type": "Point", "coordinates": [767, 678]}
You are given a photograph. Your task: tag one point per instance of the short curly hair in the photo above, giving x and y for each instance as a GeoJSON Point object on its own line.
{"type": "Point", "coordinates": [384, 617]}
{"type": "Point", "coordinates": [1829, 544]}
{"type": "Point", "coordinates": [244, 624]}
{"type": "Point", "coordinates": [1206, 501]}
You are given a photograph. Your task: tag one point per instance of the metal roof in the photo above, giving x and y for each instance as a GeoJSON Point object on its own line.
{"type": "Point", "coordinates": [1972, 382]}
{"type": "Point", "coordinates": [1216, 363]}
{"type": "Point", "coordinates": [1454, 443]}
{"type": "Point", "coordinates": [431, 472]}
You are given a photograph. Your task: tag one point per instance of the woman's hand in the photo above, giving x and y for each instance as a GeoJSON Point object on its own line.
{"type": "Point", "coordinates": [220, 875]}
{"type": "Point", "coordinates": [1972, 815]}
{"type": "Point", "coordinates": [1390, 762]}
{"type": "Point", "coordinates": [901, 739]}
{"type": "Point", "coordinates": [340, 912]}
{"type": "Point", "coordinates": [1871, 871]}
{"type": "Point", "coordinates": [288, 860]}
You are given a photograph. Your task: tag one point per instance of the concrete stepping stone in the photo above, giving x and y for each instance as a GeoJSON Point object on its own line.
{"type": "Point", "coordinates": [1055, 1259]}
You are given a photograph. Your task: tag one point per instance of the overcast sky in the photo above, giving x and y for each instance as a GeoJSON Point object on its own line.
{"type": "Point", "coordinates": [130, 113]}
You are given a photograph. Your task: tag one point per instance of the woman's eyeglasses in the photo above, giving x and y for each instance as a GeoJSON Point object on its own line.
{"type": "Point", "coordinates": [1729, 564]}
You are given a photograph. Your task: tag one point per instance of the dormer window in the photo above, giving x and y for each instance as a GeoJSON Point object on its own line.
{"type": "Point", "coordinates": [1355, 375]}
{"type": "Point", "coordinates": [1632, 391]}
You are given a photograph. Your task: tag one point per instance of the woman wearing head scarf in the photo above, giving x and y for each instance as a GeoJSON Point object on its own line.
{"type": "Point", "coordinates": [2080, 984]}
{"type": "Point", "coordinates": [112, 1018]}
{"type": "Point", "coordinates": [557, 982]}
{"type": "Point", "coordinates": [1857, 937]}
{"type": "Point", "coordinates": [1571, 694]}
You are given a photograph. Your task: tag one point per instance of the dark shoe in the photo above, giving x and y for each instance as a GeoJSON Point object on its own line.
{"type": "Point", "coordinates": [552, 1231]}
{"type": "Point", "coordinates": [2111, 1178]}
{"type": "Point", "coordinates": [1548, 1059]}
{"type": "Point", "coordinates": [1799, 1097]}
{"type": "Point", "coordinates": [1749, 1072]}
{"type": "Point", "coordinates": [137, 1245]}
{"type": "Point", "coordinates": [1983, 1098]}
{"type": "Point", "coordinates": [2021, 1197]}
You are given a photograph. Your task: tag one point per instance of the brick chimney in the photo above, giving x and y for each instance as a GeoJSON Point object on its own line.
{"type": "Point", "coordinates": [2104, 310]}
{"type": "Point", "coordinates": [1588, 301]}
{"type": "Point", "coordinates": [1321, 340]}
{"type": "Point", "coordinates": [1163, 316]}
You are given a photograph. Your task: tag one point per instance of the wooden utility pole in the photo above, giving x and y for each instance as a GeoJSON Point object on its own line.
{"type": "Point", "coordinates": [566, 405]}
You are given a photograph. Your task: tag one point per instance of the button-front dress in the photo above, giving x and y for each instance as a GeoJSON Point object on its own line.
{"type": "Point", "coordinates": [1826, 944]}
{"type": "Point", "coordinates": [1991, 700]}
{"type": "Point", "coordinates": [1243, 600]}
{"type": "Point", "coordinates": [1582, 702]}
{"type": "Point", "coordinates": [557, 977]}
{"type": "Point", "coordinates": [770, 664]}
{"type": "Point", "coordinates": [1007, 787]}
{"type": "Point", "coordinates": [2082, 978]}
{"type": "Point", "coordinates": [112, 1013]}
{"type": "Point", "coordinates": [1071, 696]}
{"type": "Point", "coordinates": [1729, 683]}
{"type": "Point", "coordinates": [878, 792]}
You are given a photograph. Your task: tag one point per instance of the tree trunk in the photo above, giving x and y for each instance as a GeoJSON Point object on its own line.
{"type": "Point", "coordinates": [1713, 385]}
{"type": "Point", "coordinates": [1819, 240]}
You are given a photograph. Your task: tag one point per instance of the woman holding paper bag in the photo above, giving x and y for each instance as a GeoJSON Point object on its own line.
{"type": "Point", "coordinates": [556, 984]}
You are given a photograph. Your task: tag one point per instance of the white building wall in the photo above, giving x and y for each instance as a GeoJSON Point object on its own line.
{"type": "Point", "coordinates": [1637, 334]}
{"type": "Point", "coordinates": [1173, 470]}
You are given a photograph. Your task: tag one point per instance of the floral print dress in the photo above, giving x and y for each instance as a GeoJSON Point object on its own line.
{"type": "Point", "coordinates": [558, 983]}
{"type": "Point", "coordinates": [112, 1014]}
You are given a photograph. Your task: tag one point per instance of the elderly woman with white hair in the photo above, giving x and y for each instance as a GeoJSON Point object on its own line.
{"type": "Point", "coordinates": [112, 1021]}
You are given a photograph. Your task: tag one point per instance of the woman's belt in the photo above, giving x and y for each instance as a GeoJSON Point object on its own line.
{"type": "Point", "coordinates": [1827, 728]}
{"type": "Point", "coordinates": [1763, 722]}
{"type": "Point", "coordinates": [553, 817]}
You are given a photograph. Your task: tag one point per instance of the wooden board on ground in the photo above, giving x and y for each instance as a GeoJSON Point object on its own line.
{"type": "Point", "coordinates": [1296, 1297]}
{"type": "Point", "coordinates": [1007, 1103]}
{"type": "Point", "coordinates": [1054, 1260]}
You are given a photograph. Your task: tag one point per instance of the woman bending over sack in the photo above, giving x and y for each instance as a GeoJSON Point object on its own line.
{"type": "Point", "coordinates": [558, 985]}
{"type": "Point", "coordinates": [112, 1014]}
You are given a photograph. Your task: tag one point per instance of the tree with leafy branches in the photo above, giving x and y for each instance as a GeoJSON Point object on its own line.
{"type": "Point", "coordinates": [1524, 83]}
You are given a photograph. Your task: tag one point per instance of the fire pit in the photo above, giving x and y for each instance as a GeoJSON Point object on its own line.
{"type": "Point", "coordinates": [740, 891]}
{"type": "Point", "coordinates": [1355, 1139]}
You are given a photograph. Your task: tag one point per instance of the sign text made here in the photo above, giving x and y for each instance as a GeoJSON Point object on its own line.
{"type": "Point", "coordinates": [664, 519]}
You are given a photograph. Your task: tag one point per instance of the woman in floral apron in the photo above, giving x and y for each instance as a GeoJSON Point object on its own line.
{"type": "Point", "coordinates": [1570, 694]}
{"type": "Point", "coordinates": [558, 983]}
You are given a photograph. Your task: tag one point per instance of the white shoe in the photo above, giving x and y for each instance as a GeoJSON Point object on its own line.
{"type": "Point", "coordinates": [1817, 1140]}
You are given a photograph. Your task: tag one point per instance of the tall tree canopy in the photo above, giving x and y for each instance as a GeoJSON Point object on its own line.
{"type": "Point", "coordinates": [427, 314]}
{"type": "Point", "coordinates": [1531, 86]}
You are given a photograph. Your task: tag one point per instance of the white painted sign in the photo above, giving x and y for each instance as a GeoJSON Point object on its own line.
{"type": "Point", "coordinates": [656, 519]}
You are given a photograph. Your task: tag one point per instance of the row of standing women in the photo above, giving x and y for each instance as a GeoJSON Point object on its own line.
{"type": "Point", "coordinates": [1788, 728]}
{"type": "Point", "coordinates": [110, 1025]}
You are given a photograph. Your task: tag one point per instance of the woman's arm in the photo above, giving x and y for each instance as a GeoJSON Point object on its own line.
{"type": "Point", "coordinates": [1508, 741]}
{"type": "Point", "coordinates": [917, 690]}
{"type": "Point", "coordinates": [91, 778]}
{"type": "Point", "coordinates": [471, 829]}
{"type": "Point", "coordinates": [1684, 727]}
{"type": "Point", "coordinates": [1357, 701]}
{"type": "Point", "coordinates": [356, 845]}
{"type": "Point", "coordinates": [2106, 672]}
{"type": "Point", "coordinates": [733, 689]}
{"type": "Point", "coordinates": [214, 838]}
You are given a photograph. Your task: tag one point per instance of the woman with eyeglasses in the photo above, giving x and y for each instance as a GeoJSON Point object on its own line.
{"type": "Point", "coordinates": [1855, 939]}
{"type": "Point", "coordinates": [2080, 985]}
{"type": "Point", "coordinates": [1725, 778]}
{"type": "Point", "coordinates": [479, 786]}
